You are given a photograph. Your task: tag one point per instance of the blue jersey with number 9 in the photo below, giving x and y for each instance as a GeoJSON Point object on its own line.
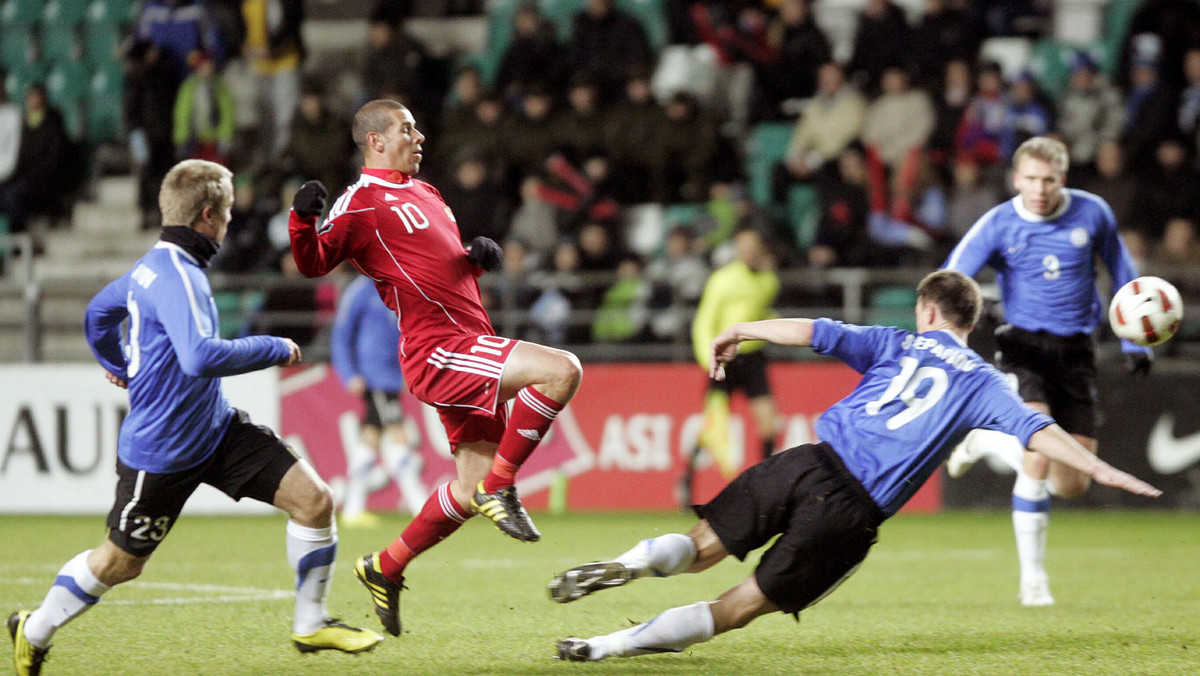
{"type": "Point", "coordinates": [919, 396]}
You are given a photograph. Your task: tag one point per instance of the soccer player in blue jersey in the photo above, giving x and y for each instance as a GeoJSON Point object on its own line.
{"type": "Point", "coordinates": [181, 431]}
{"type": "Point", "coordinates": [365, 349]}
{"type": "Point", "coordinates": [1043, 245]}
{"type": "Point", "coordinates": [919, 396]}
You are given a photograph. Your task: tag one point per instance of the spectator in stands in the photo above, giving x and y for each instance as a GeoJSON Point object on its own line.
{"type": "Point", "coordinates": [1189, 98]}
{"type": "Point", "coordinates": [38, 181]}
{"type": "Point", "coordinates": [622, 314]}
{"type": "Point", "coordinates": [738, 35]}
{"type": "Point", "coordinates": [395, 62]}
{"type": "Point", "coordinates": [896, 130]}
{"type": "Point", "coordinates": [598, 249]}
{"type": "Point", "coordinates": [579, 130]}
{"type": "Point", "coordinates": [459, 109]}
{"type": "Point", "coordinates": [982, 125]}
{"type": "Point", "coordinates": [10, 130]}
{"type": "Point", "coordinates": [528, 136]}
{"type": "Point", "coordinates": [149, 104]}
{"type": "Point", "coordinates": [1150, 114]}
{"type": "Point", "coordinates": [565, 292]}
{"type": "Point", "coordinates": [1027, 115]}
{"type": "Point", "coordinates": [204, 114]}
{"type": "Point", "coordinates": [482, 127]}
{"type": "Point", "coordinates": [532, 54]}
{"type": "Point", "coordinates": [841, 239]}
{"type": "Point", "coordinates": [534, 223]}
{"type": "Point", "coordinates": [1113, 182]}
{"type": "Point", "coordinates": [318, 146]}
{"type": "Point", "coordinates": [944, 33]}
{"type": "Point", "coordinates": [579, 194]}
{"type": "Point", "coordinates": [950, 104]}
{"type": "Point", "coordinates": [1172, 26]}
{"type": "Point", "coordinates": [677, 277]}
{"type": "Point", "coordinates": [882, 40]}
{"type": "Point", "coordinates": [632, 133]}
{"type": "Point", "coordinates": [686, 150]}
{"type": "Point", "coordinates": [1179, 245]}
{"type": "Point", "coordinates": [830, 122]}
{"type": "Point", "coordinates": [1167, 191]}
{"type": "Point", "coordinates": [801, 47]}
{"type": "Point", "coordinates": [181, 28]}
{"type": "Point", "coordinates": [247, 246]}
{"type": "Point", "coordinates": [294, 307]}
{"type": "Point", "coordinates": [606, 43]}
{"type": "Point", "coordinates": [970, 198]}
{"type": "Point", "coordinates": [1091, 113]}
{"type": "Point", "coordinates": [274, 48]}
{"type": "Point", "coordinates": [476, 199]}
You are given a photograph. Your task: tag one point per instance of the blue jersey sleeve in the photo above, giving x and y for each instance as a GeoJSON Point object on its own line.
{"type": "Point", "coordinates": [858, 346]}
{"type": "Point", "coordinates": [186, 310]}
{"type": "Point", "coordinates": [344, 338]}
{"type": "Point", "coordinates": [102, 325]}
{"type": "Point", "coordinates": [1004, 411]}
{"type": "Point", "coordinates": [976, 248]}
{"type": "Point", "coordinates": [1119, 262]}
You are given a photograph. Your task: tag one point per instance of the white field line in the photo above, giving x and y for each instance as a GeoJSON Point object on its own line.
{"type": "Point", "coordinates": [224, 594]}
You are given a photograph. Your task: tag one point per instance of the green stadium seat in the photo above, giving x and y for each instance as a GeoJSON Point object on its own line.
{"type": "Point", "coordinates": [64, 12]}
{"type": "Point", "coordinates": [101, 42]}
{"type": "Point", "coordinates": [68, 81]}
{"type": "Point", "coordinates": [229, 311]}
{"type": "Point", "coordinates": [104, 103]}
{"type": "Point", "coordinates": [893, 306]}
{"type": "Point", "coordinates": [16, 47]}
{"type": "Point", "coordinates": [112, 12]}
{"type": "Point", "coordinates": [60, 43]}
{"type": "Point", "coordinates": [1051, 64]}
{"type": "Point", "coordinates": [803, 215]}
{"type": "Point", "coordinates": [765, 148]}
{"type": "Point", "coordinates": [20, 12]}
{"type": "Point", "coordinates": [1118, 14]}
{"type": "Point", "coordinates": [651, 15]}
{"type": "Point", "coordinates": [21, 76]}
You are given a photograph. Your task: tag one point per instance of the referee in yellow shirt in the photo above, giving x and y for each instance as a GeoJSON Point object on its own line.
{"type": "Point", "coordinates": [740, 291]}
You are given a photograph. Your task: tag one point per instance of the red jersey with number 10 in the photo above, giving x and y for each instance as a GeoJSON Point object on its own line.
{"type": "Point", "coordinates": [399, 232]}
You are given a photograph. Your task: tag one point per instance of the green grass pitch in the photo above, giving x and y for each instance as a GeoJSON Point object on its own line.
{"type": "Point", "coordinates": [937, 595]}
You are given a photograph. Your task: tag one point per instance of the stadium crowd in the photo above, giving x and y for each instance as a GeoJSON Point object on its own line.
{"type": "Point", "coordinates": [595, 150]}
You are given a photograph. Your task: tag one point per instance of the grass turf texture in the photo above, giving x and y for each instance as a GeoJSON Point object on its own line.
{"type": "Point", "coordinates": [937, 595]}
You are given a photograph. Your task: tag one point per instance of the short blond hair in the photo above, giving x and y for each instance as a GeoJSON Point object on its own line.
{"type": "Point", "coordinates": [190, 186]}
{"type": "Point", "coordinates": [1047, 149]}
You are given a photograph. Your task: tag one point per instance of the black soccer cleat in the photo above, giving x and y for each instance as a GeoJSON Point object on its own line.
{"type": "Point", "coordinates": [384, 592]}
{"type": "Point", "coordinates": [27, 658]}
{"type": "Point", "coordinates": [580, 581]}
{"type": "Point", "coordinates": [504, 509]}
{"type": "Point", "coordinates": [574, 650]}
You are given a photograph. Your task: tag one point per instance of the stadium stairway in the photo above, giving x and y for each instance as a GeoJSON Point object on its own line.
{"type": "Point", "coordinates": [101, 243]}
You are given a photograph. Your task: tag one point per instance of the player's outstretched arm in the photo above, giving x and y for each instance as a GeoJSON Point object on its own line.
{"type": "Point", "coordinates": [796, 332]}
{"type": "Point", "coordinates": [1054, 443]}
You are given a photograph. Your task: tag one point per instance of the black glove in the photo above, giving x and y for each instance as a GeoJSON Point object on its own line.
{"type": "Point", "coordinates": [310, 199]}
{"type": "Point", "coordinates": [484, 253]}
{"type": "Point", "coordinates": [1138, 363]}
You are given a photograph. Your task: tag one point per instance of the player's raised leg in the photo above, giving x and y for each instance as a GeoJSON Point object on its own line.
{"type": "Point", "coordinates": [540, 380]}
{"type": "Point", "coordinates": [312, 552]}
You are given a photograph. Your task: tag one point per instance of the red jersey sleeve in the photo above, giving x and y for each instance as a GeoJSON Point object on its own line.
{"type": "Point", "coordinates": [319, 248]}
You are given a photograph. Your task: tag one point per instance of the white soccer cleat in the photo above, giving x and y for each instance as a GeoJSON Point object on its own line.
{"type": "Point", "coordinates": [965, 454]}
{"type": "Point", "coordinates": [1036, 592]}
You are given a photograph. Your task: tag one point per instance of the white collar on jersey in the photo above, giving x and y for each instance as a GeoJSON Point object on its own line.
{"type": "Point", "coordinates": [953, 335]}
{"type": "Point", "coordinates": [369, 179]}
{"type": "Point", "coordinates": [1027, 215]}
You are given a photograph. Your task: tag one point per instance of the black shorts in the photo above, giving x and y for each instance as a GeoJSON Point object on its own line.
{"type": "Point", "coordinates": [748, 373]}
{"type": "Point", "coordinates": [1059, 371]}
{"type": "Point", "coordinates": [826, 521]}
{"type": "Point", "coordinates": [382, 409]}
{"type": "Point", "coordinates": [249, 462]}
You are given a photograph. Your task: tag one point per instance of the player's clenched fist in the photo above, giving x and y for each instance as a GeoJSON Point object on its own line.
{"type": "Point", "coordinates": [294, 356]}
{"type": "Point", "coordinates": [484, 253]}
{"type": "Point", "coordinates": [310, 199]}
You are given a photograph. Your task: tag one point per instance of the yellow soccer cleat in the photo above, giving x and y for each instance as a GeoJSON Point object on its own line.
{"type": "Point", "coordinates": [504, 508]}
{"type": "Point", "coordinates": [384, 592]}
{"type": "Point", "coordinates": [27, 658]}
{"type": "Point", "coordinates": [337, 636]}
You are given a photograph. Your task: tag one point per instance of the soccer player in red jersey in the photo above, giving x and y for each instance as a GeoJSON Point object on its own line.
{"type": "Point", "coordinates": [399, 232]}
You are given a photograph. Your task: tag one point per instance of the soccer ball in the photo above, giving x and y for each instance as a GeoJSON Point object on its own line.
{"type": "Point", "coordinates": [1147, 311]}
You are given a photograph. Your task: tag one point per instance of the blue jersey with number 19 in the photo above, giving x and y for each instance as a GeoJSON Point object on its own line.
{"type": "Point", "coordinates": [919, 396]}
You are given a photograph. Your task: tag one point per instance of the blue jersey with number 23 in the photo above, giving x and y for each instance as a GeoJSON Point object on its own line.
{"type": "Point", "coordinates": [919, 396]}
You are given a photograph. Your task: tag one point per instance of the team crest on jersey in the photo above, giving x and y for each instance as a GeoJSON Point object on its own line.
{"type": "Point", "coordinates": [1079, 237]}
{"type": "Point", "coordinates": [450, 214]}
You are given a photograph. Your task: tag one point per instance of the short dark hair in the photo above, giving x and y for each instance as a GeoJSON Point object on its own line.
{"type": "Point", "coordinates": [955, 294]}
{"type": "Point", "coordinates": [374, 116]}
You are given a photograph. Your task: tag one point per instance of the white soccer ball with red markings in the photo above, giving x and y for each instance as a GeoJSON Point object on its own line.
{"type": "Point", "coordinates": [1147, 310]}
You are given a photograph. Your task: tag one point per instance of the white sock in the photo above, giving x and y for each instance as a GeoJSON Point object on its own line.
{"type": "Point", "coordinates": [1005, 447]}
{"type": "Point", "coordinates": [670, 631]}
{"type": "Point", "coordinates": [662, 556]}
{"type": "Point", "coordinates": [1031, 517]}
{"type": "Point", "coordinates": [404, 464]}
{"type": "Point", "coordinates": [311, 553]}
{"type": "Point", "coordinates": [359, 462]}
{"type": "Point", "coordinates": [75, 590]}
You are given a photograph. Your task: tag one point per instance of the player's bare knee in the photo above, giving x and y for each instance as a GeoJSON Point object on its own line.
{"type": "Point", "coordinates": [313, 505]}
{"type": "Point", "coordinates": [566, 374]}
